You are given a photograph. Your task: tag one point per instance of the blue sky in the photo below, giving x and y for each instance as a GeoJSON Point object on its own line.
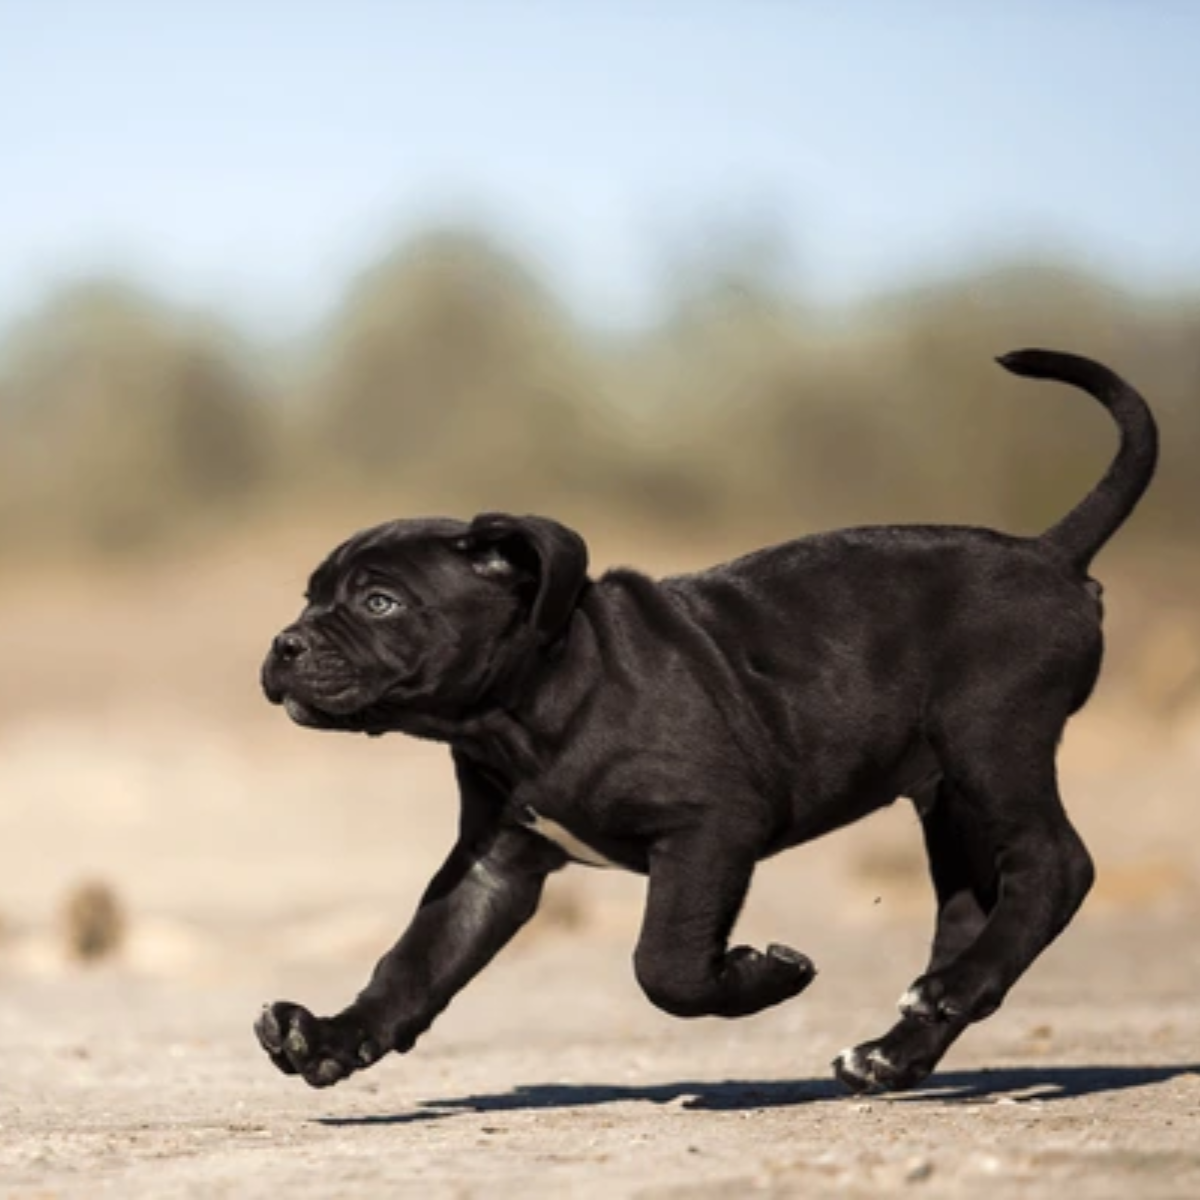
{"type": "Point", "coordinates": [253, 156]}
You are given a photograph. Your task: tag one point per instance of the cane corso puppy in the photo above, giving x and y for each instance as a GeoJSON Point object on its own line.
{"type": "Point", "coordinates": [688, 727]}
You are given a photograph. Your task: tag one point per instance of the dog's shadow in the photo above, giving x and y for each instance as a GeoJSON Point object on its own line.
{"type": "Point", "coordinates": [1020, 1083]}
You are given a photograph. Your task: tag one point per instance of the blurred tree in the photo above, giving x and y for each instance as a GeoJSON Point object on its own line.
{"type": "Point", "coordinates": [220, 435]}
{"type": "Point", "coordinates": [450, 380]}
{"type": "Point", "coordinates": [122, 422]}
{"type": "Point", "coordinates": [699, 381]}
{"type": "Point", "coordinates": [449, 359]}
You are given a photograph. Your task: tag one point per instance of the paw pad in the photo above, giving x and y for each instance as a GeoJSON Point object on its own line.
{"type": "Point", "coordinates": [321, 1051]}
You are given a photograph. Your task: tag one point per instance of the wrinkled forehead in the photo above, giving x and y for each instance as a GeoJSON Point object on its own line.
{"type": "Point", "coordinates": [396, 552]}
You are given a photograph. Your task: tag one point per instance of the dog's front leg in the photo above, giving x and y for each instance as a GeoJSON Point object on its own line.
{"type": "Point", "coordinates": [487, 889]}
{"type": "Point", "coordinates": [682, 961]}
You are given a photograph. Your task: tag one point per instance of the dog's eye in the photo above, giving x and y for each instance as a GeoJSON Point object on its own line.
{"type": "Point", "coordinates": [380, 604]}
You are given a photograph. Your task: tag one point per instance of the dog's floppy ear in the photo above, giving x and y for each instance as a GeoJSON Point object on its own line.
{"type": "Point", "coordinates": [554, 557]}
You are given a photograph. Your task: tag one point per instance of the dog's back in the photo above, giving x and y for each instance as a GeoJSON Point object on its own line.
{"type": "Point", "coordinates": [874, 636]}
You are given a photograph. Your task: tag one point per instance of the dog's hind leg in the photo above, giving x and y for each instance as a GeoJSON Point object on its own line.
{"type": "Point", "coordinates": [964, 880]}
{"type": "Point", "coordinates": [1005, 787]}
{"type": "Point", "coordinates": [697, 885]}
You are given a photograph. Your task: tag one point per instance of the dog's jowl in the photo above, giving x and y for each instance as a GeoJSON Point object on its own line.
{"type": "Point", "coordinates": [686, 728]}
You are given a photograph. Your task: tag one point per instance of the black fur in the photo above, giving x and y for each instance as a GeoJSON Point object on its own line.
{"type": "Point", "coordinates": [689, 727]}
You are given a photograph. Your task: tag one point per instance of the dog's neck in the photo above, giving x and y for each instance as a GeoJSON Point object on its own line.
{"type": "Point", "coordinates": [531, 711]}
{"type": "Point", "coordinates": [525, 721]}
{"type": "Point", "coordinates": [521, 719]}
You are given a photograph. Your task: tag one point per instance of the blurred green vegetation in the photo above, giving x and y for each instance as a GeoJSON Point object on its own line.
{"type": "Point", "coordinates": [450, 379]}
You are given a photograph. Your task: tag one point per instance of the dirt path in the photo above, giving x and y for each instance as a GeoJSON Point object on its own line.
{"type": "Point", "coordinates": [553, 1078]}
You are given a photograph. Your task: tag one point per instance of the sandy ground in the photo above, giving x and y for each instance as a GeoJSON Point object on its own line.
{"type": "Point", "coordinates": [256, 861]}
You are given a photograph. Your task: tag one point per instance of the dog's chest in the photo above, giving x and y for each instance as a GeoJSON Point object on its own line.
{"type": "Point", "coordinates": [562, 837]}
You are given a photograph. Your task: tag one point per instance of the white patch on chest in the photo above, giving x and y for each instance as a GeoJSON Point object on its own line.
{"type": "Point", "coordinates": [552, 831]}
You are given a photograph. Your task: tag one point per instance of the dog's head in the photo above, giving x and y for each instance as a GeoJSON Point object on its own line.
{"type": "Point", "coordinates": [423, 619]}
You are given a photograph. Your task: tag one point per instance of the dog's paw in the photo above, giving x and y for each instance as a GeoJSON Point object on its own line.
{"type": "Point", "coordinates": [938, 997]}
{"type": "Point", "coordinates": [794, 970]}
{"type": "Point", "coordinates": [322, 1051]}
{"type": "Point", "coordinates": [907, 1054]}
{"type": "Point", "coordinates": [771, 977]}
{"type": "Point", "coordinates": [867, 1068]}
{"type": "Point", "coordinates": [895, 1062]}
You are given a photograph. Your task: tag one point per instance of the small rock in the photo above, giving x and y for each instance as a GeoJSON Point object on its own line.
{"type": "Point", "coordinates": [917, 1169]}
{"type": "Point", "coordinates": [93, 921]}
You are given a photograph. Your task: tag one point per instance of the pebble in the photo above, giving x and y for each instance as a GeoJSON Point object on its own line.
{"type": "Point", "coordinates": [917, 1169]}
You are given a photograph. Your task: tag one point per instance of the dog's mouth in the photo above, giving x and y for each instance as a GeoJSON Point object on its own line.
{"type": "Point", "coordinates": [312, 716]}
{"type": "Point", "coordinates": [337, 703]}
{"type": "Point", "coordinates": [307, 704]}
{"type": "Point", "coordinates": [306, 714]}
{"type": "Point", "coordinates": [340, 713]}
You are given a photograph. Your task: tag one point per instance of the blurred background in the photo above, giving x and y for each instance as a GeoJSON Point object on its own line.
{"type": "Point", "coordinates": [691, 277]}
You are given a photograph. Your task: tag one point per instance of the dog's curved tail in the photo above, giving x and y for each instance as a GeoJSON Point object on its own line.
{"type": "Point", "coordinates": [1084, 530]}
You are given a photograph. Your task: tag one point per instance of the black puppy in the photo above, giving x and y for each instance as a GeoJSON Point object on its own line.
{"type": "Point", "coordinates": [688, 728]}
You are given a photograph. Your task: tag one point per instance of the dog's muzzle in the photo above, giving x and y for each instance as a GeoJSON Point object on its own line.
{"type": "Point", "coordinates": [283, 676]}
{"type": "Point", "coordinates": [279, 668]}
{"type": "Point", "coordinates": [315, 688]}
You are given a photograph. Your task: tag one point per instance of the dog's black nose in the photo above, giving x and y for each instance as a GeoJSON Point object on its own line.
{"type": "Point", "coordinates": [289, 646]}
